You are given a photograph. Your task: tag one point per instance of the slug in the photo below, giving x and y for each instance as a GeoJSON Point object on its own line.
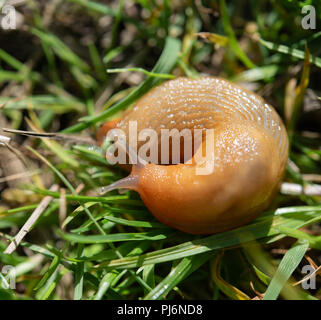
{"type": "Point", "coordinates": [250, 146]}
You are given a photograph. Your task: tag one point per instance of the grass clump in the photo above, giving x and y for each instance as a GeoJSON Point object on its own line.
{"type": "Point", "coordinates": [85, 246]}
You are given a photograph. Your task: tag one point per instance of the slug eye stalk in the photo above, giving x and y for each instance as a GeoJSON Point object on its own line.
{"type": "Point", "coordinates": [130, 182]}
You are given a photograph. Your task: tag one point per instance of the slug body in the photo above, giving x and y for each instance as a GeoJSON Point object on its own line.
{"type": "Point", "coordinates": [249, 159]}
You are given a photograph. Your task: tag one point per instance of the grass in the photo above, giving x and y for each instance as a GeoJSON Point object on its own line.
{"type": "Point", "coordinates": [84, 63]}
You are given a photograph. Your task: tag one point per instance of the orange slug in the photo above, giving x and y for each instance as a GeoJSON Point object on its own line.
{"type": "Point", "coordinates": [250, 150]}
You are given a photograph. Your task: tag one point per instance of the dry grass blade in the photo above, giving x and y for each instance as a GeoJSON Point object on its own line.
{"type": "Point", "coordinates": [308, 277]}
{"type": "Point", "coordinates": [4, 140]}
{"type": "Point", "coordinates": [53, 135]}
{"type": "Point", "coordinates": [30, 222]}
{"type": "Point", "coordinates": [19, 176]}
{"type": "Point", "coordinates": [13, 163]}
{"type": "Point", "coordinates": [297, 189]}
{"type": "Point", "coordinates": [62, 207]}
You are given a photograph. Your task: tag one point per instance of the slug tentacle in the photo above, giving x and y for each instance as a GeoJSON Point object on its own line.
{"type": "Point", "coordinates": [123, 146]}
{"type": "Point", "coordinates": [130, 182]}
{"type": "Point", "coordinates": [248, 155]}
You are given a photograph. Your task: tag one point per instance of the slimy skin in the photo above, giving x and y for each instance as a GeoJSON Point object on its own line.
{"type": "Point", "coordinates": [250, 155]}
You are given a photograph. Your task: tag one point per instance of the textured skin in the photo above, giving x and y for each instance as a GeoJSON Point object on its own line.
{"type": "Point", "coordinates": [250, 153]}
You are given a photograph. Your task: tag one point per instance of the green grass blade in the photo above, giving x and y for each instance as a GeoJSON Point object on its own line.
{"type": "Point", "coordinates": [67, 183]}
{"type": "Point", "coordinates": [149, 275]}
{"type": "Point", "coordinates": [12, 61]}
{"type": "Point", "coordinates": [96, 6]}
{"type": "Point", "coordinates": [232, 38]}
{"type": "Point", "coordinates": [106, 283]}
{"type": "Point", "coordinates": [180, 272]}
{"type": "Point", "coordinates": [257, 74]}
{"type": "Point", "coordinates": [79, 275]}
{"type": "Point", "coordinates": [60, 49]}
{"type": "Point", "coordinates": [52, 268]}
{"type": "Point", "coordinates": [147, 73]}
{"type": "Point", "coordinates": [165, 64]}
{"type": "Point", "coordinates": [286, 267]}
{"type": "Point", "coordinates": [296, 53]}
{"type": "Point", "coordinates": [59, 105]}
{"type": "Point", "coordinates": [135, 223]}
{"type": "Point", "coordinates": [257, 230]}
{"type": "Point", "coordinates": [46, 291]}
{"type": "Point", "coordinates": [113, 237]}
